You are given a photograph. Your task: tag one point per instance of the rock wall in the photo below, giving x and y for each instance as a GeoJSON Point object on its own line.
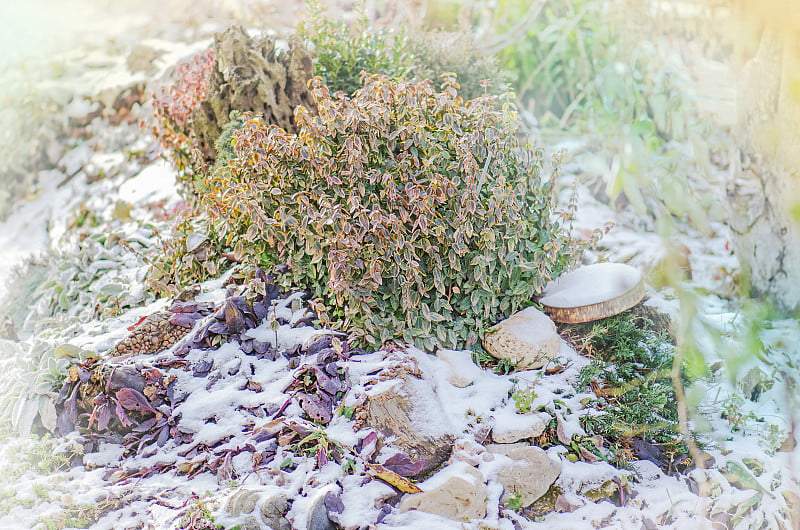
{"type": "Point", "coordinates": [253, 74]}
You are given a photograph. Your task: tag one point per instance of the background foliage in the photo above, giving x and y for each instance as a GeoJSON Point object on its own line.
{"type": "Point", "coordinates": [343, 51]}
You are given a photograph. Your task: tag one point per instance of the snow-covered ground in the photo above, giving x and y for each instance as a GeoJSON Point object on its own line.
{"type": "Point", "coordinates": [226, 404]}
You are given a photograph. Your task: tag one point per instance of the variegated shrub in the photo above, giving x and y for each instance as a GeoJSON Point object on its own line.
{"type": "Point", "coordinates": [408, 212]}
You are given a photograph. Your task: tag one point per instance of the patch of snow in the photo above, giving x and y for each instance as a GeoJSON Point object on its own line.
{"type": "Point", "coordinates": [156, 181]}
{"type": "Point", "coordinates": [590, 285]}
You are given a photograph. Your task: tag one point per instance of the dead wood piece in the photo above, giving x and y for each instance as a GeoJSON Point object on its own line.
{"type": "Point", "coordinates": [593, 292]}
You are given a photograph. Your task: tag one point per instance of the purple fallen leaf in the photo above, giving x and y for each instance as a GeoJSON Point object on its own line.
{"type": "Point", "coordinates": [83, 374]}
{"type": "Point", "coordinates": [144, 440]}
{"type": "Point", "coordinates": [329, 384]}
{"type": "Point", "coordinates": [163, 436]}
{"type": "Point", "coordinates": [225, 470]}
{"type": "Point", "coordinates": [325, 356]}
{"type": "Point", "coordinates": [322, 343]}
{"type": "Point", "coordinates": [316, 408]}
{"type": "Point", "coordinates": [260, 347]}
{"type": "Point", "coordinates": [190, 306]}
{"type": "Point", "coordinates": [71, 406]}
{"type": "Point", "coordinates": [402, 464]}
{"type": "Point", "coordinates": [368, 445]}
{"type": "Point", "coordinates": [234, 318]}
{"type": "Point", "coordinates": [184, 320]}
{"type": "Point", "coordinates": [220, 328]}
{"type": "Point", "coordinates": [103, 416]}
{"type": "Point", "coordinates": [64, 425]}
{"type": "Point", "coordinates": [146, 425]}
{"type": "Point", "coordinates": [126, 377]}
{"type": "Point", "coordinates": [386, 509]}
{"type": "Point", "coordinates": [240, 302]}
{"type": "Point", "coordinates": [299, 428]}
{"type": "Point", "coordinates": [586, 455]}
{"type": "Point", "coordinates": [110, 471]}
{"type": "Point", "coordinates": [263, 436]}
{"type": "Point", "coordinates": [334, 506]}
{"type": "Point", "coordinates": [560, 432]}
{"type": "Point", "coordinates": [647, 451]}
{"type": "Point", "coordinates": [201, 335]}
{"type": "Point", "coordinates": [322, 457]}
{"type": "Point", "coordinates": [261, 310]}
{"type": "Point", "coordinates": [132, 399]}
{"type": "Point", "coordinates": [283, 407]}
{"type": "Point", "coordinates": [66, 389]}
{"type": "Point", "coordinates": [332, 369]}
{"type": "Point", "coordinates": [202, 368]}
{"type": "Point", "coordinates": [121, 414]}
{"type": "Point", "coordinates": [247, 346]}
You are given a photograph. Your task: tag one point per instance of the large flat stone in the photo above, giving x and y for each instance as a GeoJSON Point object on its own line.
{"type": "Point", "coordinates": [530, 473]}
{"type": "Point", "coordinates": [461, 498]}
{"type": "Point", "coordinates": [528, 338]}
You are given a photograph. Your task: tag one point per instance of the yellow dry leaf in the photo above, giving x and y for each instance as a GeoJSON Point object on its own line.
{"type": "Point", "coordinates": [393, 479]}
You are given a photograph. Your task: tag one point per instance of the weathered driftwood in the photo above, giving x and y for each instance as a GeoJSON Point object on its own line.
{"type": "Point", "coordinates": [411, 414]}
{"type": "Point", "coordinates": [593, 292]}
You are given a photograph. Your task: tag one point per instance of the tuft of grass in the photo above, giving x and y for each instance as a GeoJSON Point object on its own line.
{"type": "Point", "coordinates": [487, 362]}
{"type": "Point", "coordinates": [342, 52]}
{"type": "Point", "coordinates": [514, 502]}
{"type": "Point", "coordinates": [33, 454]}
{"type": "Point", "coordinates": [198, 515]}
{"type": "Point", "coordinates": [79, 515]}
{"type": "Point", "coordinates": [523, 399]}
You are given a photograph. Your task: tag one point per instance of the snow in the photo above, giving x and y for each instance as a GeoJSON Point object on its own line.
{"type": "Point", "coordinates": [156, 181]}
{"type": "Point", "coordinates": [106, 455]}
{"type": "Point", "coordinates": [361, 500]}
{"type": "Point", "coordinates": [592, 284]}
{"type": "Point", "coordinates": [287, 336]}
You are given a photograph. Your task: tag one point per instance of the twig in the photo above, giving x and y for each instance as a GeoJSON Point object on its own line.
{"type": "Point", "coordinates": [682, 406]}
{"type": "Point", "coordinates": [506, 38]}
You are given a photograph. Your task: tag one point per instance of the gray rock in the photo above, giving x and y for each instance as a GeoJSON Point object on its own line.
{"type": "Point", "coordinates": [528, 338]}
{"type": "Point", "coordinates": [461, 498]}
{"type": "Point", "coordinates": [272, 511]}
{"type": "Point", "coordinates": [258, 510]}
{"type": "Point", "coordinates": [529, 475]}
{"type": "Point", "coordinates": [524, 426]}
{"type": "Point", "coordinates": [318, 513]}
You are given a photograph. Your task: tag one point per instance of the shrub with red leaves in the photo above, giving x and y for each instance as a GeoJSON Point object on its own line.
{"type": "Point", "coordinates": [174, 105]}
